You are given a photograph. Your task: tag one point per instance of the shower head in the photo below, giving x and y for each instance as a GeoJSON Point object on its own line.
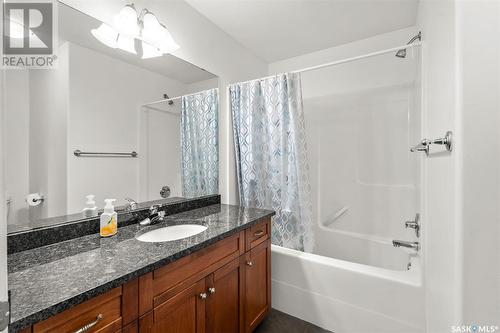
{"type": "Point", "coordinates": [165, 96]}
{"type": "Point", "coordinates": [402, 52]}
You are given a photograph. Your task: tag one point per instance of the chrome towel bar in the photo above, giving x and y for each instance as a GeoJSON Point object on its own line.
{"type": "Point", "coordinates": [79, 153]}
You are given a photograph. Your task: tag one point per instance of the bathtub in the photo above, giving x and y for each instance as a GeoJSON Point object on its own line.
{"type": "Point", "coordinates": [348, 294]}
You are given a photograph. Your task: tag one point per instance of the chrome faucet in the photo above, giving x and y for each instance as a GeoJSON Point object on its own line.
{"type": "Point", "coordinates": [131, 204]}
{"type": "Point", "coordinates": [410, 245]}
{"type": "Point", "coordinates": [422, 146]}
{"type": "Point", "coordinates": [415, 224]}
{"type": "Point", "coordinates": [155, 215]}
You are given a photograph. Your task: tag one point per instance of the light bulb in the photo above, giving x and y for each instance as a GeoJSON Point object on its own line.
{"type": "Point", "coordinates": [149, 51]}
{"type": "Point", "coordinates": [156, 34]}
{"type": "Point", "coordinates": [126, 21]}
{"type": "Point", "coordinates": [167, 44]}
{"type": "Point", "coordinates": [151, 31]}
{"type": "Point", "coordinates": [126, 43]}
{"type": "Point", "coordinates": [106, 35]}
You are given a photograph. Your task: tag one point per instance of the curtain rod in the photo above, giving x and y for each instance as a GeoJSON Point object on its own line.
{"type": "Point", "coordinates": [338, 62]}
{"type": "Point", "coordinates": [177, 97]}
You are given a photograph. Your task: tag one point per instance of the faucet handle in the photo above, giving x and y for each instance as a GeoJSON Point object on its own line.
{"type": "Point", "coordinates": [422, 146]}
{"type": "Point", "coordinates": [414, 224]}
{"type": "Point", "coordinates": [131, 204]}
{"type": "Point", "coordinates": [154, 209]}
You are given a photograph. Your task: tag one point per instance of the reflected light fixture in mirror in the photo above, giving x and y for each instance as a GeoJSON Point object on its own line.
{"type": "Point", "coordinates": [127, 26]}
{"type": "Point", "coordinates": [126, 21]}
{"type": "Point", "coordinates": [126, 43]}
{"type": "Point", "coordinates": [149, 51]}
{"type": "Point", "coordinates": [106, 35]}
{"type": "Point", "coordinates": [156, 34]}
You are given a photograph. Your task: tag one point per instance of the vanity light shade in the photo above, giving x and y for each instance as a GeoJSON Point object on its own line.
{"type": "Point", "coordinates": [127, 26]}
{"type": "Point", "coordinates": [126, 22]}
{"type": "Point", "coordinates": [106, 35]}
{"type": "Point", "coordinates": [126, 43]}
{"type": "Point", "coordinates": [149, 51]}
{"type": "Point", "coordinates": [167, 44]}
{"type": "Point", "coordinates": [156, 34]}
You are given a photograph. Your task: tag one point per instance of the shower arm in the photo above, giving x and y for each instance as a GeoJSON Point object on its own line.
{"type": "Point", "coordinates": [414, 38]}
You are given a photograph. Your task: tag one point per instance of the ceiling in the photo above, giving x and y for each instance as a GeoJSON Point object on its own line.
{"type": "Point", "coordinates": [74, 26]}
{"type": "Point", "coordinates": [278, 29]}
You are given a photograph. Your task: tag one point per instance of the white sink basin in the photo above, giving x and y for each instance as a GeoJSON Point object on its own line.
{"type": "Point", "coordinates": [171, 233]}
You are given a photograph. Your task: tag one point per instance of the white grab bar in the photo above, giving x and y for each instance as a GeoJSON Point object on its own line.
{"type": "Point", "coordinates": [335, 216]}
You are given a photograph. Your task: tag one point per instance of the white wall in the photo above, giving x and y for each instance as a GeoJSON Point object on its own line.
{"type": "Point", "coordinates": [205, 45]}
{"type": "Point", "coordinates": [478, 28]}
{"type": "Point", "coordinates": [202, 85]}
{"type": "Point", "coordinates": [160, 161]}
{"type": "Point", "coordinates": [441, 227]}
{"type": "Point", "coordinates": [104, 102]}
{"type": "Point", "coordinates": [47, 134]}
{"type": "Point", "coordinates": [17, 144]}
{"type": "Point", "coordinates": [372, 44]}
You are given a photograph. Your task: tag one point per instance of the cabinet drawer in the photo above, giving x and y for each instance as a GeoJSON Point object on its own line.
{"type": "Point", "coordinates": [104, 312]}
{"type": "Point", "coordinates": [257, 234]}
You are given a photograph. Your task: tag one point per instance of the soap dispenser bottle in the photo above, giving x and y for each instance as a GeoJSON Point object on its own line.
{"type": "Point", "coordinates": [91, 209]}
{"type": "Point", "coordinates": [109, 219]}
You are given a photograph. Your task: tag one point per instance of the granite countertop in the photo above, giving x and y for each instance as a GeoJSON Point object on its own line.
{"type": "Point", "coordinates": [50, 279]}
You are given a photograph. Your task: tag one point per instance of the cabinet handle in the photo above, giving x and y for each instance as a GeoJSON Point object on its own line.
{"type": "Point", "coordinates": [258, 233]}
{"type": "Point", "coordinates": [211, 290]}
{"type": "Point", "coordinates": [249, 263]}
{"type": "Point", "coordinates": [90, 325]}
{"type": "Point", "coordinates": [203, 295]}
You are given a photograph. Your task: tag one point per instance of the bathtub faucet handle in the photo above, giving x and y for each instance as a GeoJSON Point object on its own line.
{"type": "Point", "coordinates": [410, 245]}
{"type": "Point", "coordinates": [415, 224]}
{"type": "Point", "coordinates": [422, 146]}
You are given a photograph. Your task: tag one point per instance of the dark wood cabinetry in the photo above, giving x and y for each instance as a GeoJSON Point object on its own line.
{"type": "Point", "coordinates": [225, 299]}
{"type": "Point", "coordinates": [257, 295]}
{"type": "Point", "coordinates": [182, 312]}
{"type": "Point", "coordinates": [223, 288]}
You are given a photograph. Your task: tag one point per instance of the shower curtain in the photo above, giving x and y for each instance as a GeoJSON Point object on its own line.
{"type": "Point", "coordinates": [199, 144]}
{"type": "Point", "coordinates": [271, 155]}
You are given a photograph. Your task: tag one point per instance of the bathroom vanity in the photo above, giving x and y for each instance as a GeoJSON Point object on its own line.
{"type": "Point", "coordinates": [216, 281]}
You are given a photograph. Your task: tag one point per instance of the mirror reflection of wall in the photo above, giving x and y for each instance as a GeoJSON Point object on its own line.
{"type": "Point", "coordinates": [94, 102]}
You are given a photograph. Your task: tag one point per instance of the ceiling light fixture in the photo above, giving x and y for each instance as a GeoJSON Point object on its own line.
{"type": "Point", "coordinates": [128, 26]}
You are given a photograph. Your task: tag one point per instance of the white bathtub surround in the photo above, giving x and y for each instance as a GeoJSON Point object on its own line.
{"type": "Point", "coordinates": [361, 119]}
{"type": "Point", "coordinates": [342, 296]}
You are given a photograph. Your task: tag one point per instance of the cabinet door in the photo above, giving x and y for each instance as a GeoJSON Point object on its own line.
{"type": "Point", "coordinates": [224, 302]}
{"type": "Point", "coordinates": [257, 284]}
{"type": "Point", "coordinates": [184, 312]}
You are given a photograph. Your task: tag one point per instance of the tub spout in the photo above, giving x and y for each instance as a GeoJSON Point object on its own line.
{"type": "Point", "coordinates": [411, 245]}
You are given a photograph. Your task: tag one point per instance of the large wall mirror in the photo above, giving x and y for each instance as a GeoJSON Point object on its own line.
{"type": "Point", "coordinates": [105, 101]}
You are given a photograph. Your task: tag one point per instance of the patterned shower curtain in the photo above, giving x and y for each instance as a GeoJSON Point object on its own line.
{"type": "Point", "coordinates": [200, 144]}
{"type": "Point", "coordinates": [271, 155]}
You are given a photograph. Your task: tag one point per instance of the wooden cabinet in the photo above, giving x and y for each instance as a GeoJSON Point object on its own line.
{"type": "Point", "coordinates": [223, 288]}
{"type": "Point", "coordinates": [224, 312]}
{"type": "Point", "coordinates": [257, 295]}
{"type": "Point", "coordinates": [183, 312]}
